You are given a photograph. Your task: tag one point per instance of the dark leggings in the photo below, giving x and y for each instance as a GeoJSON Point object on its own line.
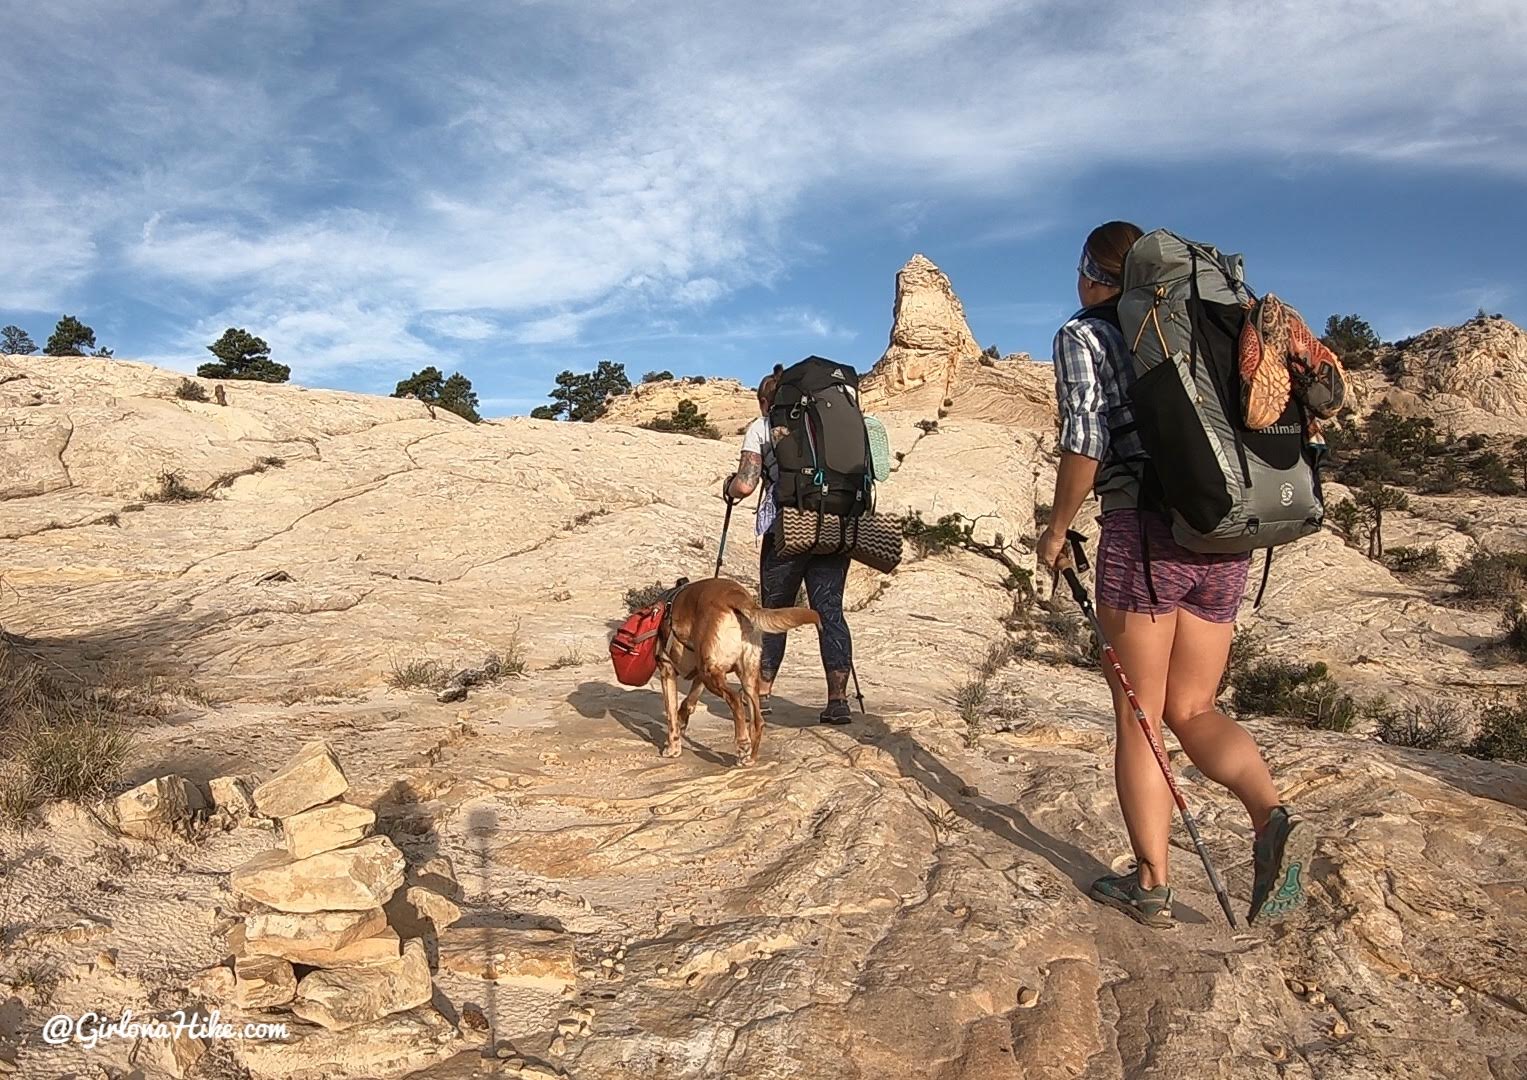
{"type": "Point", "coordinates": [825, 575]}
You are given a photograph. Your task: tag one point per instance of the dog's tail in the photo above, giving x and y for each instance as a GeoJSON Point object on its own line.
{"type": "Point", "coordinates": [779, 620]}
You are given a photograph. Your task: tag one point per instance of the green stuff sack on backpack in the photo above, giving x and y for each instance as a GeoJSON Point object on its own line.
{"type": "Point", "coordinates": [880, 449]}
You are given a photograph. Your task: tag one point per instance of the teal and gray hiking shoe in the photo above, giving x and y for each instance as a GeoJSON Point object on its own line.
{"type": "Point", "coordinates": [1282, 854]}
{"type": "Point", "coordinates": [1153, 907]}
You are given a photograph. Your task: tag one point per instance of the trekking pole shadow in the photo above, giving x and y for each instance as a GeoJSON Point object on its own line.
{"type": "Point", "coordinates": [482, 825]}
{"type": "Point", "coordinates": [917, 763]}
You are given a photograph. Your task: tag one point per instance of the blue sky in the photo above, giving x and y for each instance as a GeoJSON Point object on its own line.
{"type": "Point", "coordinates": [511, 189]}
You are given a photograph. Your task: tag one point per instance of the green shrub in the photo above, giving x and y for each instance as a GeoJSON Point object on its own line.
{"type": "Point", "coordinates": [687, 419]}
{"type": "Point", "coordinates": [1346, 520]}
{"type": "Point", "coordinates": [949, 532]}
{"type": "Point", "coordinates": [1491, 575]}
{"type": "Point", "coordinates": [191, 390]}
{"type": "Point", "coordinates": [1501, 734]}
{"type": "Point", "coordinates": [1246, 649]}
{"type": "Point", "coordinates": [1411, 560]}
{"type": "Point", "coordinates": [1492, 474]}
{"type": "Point", "coordinates": [1305, 692]}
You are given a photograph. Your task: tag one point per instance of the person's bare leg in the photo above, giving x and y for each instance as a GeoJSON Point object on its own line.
{"type": "Point", "coordinates": [1145, 651]}
{"type": "Point", "coordinates": [1223, 750]}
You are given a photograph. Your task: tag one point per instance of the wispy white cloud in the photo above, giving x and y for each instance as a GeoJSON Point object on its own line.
{"type": "Point", "coordinates": [460, 327]}
{"type": "Point", "coordinates": [356, 187]}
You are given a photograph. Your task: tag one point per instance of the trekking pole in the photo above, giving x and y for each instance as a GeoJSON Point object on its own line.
{"type": "Point", "coordinates": [854, 671]}
{"type": "Point", "coordinates": [1079, 556]}
{"type": "Point", "coordinates": [725, 525]}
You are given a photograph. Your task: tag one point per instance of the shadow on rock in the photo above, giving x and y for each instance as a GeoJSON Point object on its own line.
{"type": "Point", "coordinates": [641, 713]}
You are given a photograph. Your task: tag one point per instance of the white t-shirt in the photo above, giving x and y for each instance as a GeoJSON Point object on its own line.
{"type": "Point", "coordinates": [756, 441]}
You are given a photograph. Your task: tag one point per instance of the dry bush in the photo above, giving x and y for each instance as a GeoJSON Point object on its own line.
{"type": "Point", "coordinates": [172, 489]}
{"type": "Point", "coordinates": [1491, 576]}
{"type": "Point", "coordinates": [1502, 732]}
{"type": "Point", "coordinates": [191, 390]}
{"type": "Point", "coordinates": [1432, 724]}
{"type": "Point", "coordinates": [413, 674]}
{"type": "Point", "coordinates": [1513, 624]}
{"type": "Point", "coordinates": [644, 596]}
{"type": "Point", "coordinates": [62, 738]}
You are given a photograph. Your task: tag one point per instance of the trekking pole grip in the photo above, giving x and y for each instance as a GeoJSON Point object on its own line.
{"type": "Point", "coordinates": [1078, 549]}
{"type": "Point", "coordinates": [1078, 591]}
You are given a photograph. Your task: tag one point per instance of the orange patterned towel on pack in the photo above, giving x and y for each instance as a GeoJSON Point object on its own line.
{"type": "Point", "coordinates": [1279, 356]}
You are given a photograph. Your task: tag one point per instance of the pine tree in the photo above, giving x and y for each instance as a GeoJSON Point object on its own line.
{"type": "Point", "coordinates": [70, 338]}
{"type": "Point", "coordinates": [582, 397]}
{"type": "Point", "coordinates": [241, 355]}
{"type": "Point", "coordinates": [453, 394]}
{"type": "Point", "coordinates": [14, 341]}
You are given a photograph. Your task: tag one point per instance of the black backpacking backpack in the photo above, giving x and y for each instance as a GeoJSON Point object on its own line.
{"type": "Point", "coordinates": [820, 443]}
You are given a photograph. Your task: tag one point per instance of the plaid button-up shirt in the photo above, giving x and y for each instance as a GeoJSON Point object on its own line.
{"type": "Point", "coordinates": [1093, 374]}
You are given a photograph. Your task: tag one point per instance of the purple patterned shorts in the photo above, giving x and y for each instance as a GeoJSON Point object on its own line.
{"type": "Point", "coordinates": [1208, 586]}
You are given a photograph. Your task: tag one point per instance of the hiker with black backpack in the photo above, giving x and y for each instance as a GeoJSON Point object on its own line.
{"type": "Point", "coordinates": [781, 576]}
{"type": "Point", "coordinates": [1150, 400]}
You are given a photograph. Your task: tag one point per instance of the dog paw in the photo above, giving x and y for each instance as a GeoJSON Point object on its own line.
{"type": "Point", "coordinates": [671, 751]}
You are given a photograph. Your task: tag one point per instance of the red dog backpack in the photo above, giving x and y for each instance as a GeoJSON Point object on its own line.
{"type": "Point", "coordinates": [633, 649]}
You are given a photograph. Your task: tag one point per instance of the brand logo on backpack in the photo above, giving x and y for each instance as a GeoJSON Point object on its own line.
{"type": "Point", "coordinates": [1286, 494]}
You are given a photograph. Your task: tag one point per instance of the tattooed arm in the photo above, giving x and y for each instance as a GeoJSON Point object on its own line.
{"type": "Point", "coordinates": [745, 479]}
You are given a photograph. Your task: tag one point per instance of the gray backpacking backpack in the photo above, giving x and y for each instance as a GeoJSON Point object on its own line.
{"type": "Point", "coordinates": [1227, 488]}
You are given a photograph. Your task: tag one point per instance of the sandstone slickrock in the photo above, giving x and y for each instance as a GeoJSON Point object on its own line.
{"type": "Point", "coordinates": [356, 878]}
{"type": "Point", "coordinates": [159, 808]}
{"type": "Point", "coordinates": [438, 875]}
{"type": "Point", "coordinates": [726, 403]}
{"type": "Point", "coordinates": [888, 922]}
{"type": "Point", "coordinates": [345, 997]}
{"type": "Point", "coordinates": [312, 777]}
{"type": "Point", "coordinates": [231, 795]}
{"type": "Point", "coordinates": [536, 958]}
{"type": "Point", "coordinates": [382, 947]}
{"type": "Point", "coordinates": [263, 982]}
{"type": "Point", "coordinates": [324, 828]}
{"type": "Point", "coordinates": [1482, 363]}
{"type": "Point", "coordinates": [929, 334]}
{"type": "Point", "coordinates": [271, 933]}
{"type": "Point", "coordinates": [215, 983]}
{"type": "Point", "coordinates": [432, 906]}
{"type": "Point", "coordinates": [394, 1046]}
{"type": "Point", "coordinates": [933, 365]}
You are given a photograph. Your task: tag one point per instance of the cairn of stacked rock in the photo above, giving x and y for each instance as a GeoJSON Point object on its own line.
{"type": "Point", "coordinates": [323, 938]}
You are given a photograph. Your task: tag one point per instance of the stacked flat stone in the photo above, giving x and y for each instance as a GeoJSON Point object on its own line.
{"type": "Point", "coordinates": [331, 901]}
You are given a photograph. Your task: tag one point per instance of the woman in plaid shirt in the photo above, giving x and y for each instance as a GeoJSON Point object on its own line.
{"type": "Point", "coordinates": [1168, 612]}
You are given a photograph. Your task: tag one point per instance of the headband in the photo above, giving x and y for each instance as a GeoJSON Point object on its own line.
{"type": "Point", "coordinates": [1090, 270]}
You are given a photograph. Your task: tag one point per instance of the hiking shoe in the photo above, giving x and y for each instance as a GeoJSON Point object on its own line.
{"type": "Point", "coordinates": [1153, 907]}
{"type": "Point", "coordinates": [1282, 856]}
{"type": "Point", "coordinates": [837, 712]}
